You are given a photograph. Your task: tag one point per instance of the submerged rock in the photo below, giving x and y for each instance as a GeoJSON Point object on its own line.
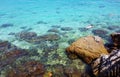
{"type": "Point", "coordinates": [100, 32]}
{"type": "Point", "coordinates": [42, 22]}
{"type": "Point", "coordinates": [29, 69]}
{"type": "Point", "coordinates": [113, 27]}
{"type": "Point", "coordinates": [53, 30]}
{"type": "Point", "coordinates": [23, 27]}
{"type": "Point", "coordinates": [56, 26]}
{"type": "Point", "coordinates": [66, 29]}
{"type": "Point", "coordinates": [9, 58]}
{"type": "Point", "coordinates": [88, 48]}
{"type": "Point", "coordinates": [32, 37]}
{"type": "Point", "coordinates": [71, 41]}
{"type": "Point", "coordinates": [118, 31]}
{"type": "Point", "coordinates": [50, 37]}
{"type": "Point", "coordinates": [6, 25]}
{"type": "Point", "coordinates": [101, 6]}
{"type": "Point", "coordinates": [50, 48]}
{"type": "Point", "coordinates": [11, 33]}
{"type": "Point", "coordinates": [6, 46]}
{"type": "Point", "coordinates": [72, 72]}
{"type": "Point", "coordinates": [82, 29]}
{"type": "Point", "coordinates": [27, 36]}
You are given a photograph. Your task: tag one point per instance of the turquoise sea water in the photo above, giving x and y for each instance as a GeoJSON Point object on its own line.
{"type": "Point", "coordinates": [70, 20]}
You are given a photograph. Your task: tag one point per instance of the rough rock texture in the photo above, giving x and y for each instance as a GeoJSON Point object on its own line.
{"type": "Point", "coordinates": [107, 65]}
{"type": "Point", "coordinates": [116, 39]}
{"type": "Point", "coordinates": [9, 58]}
{"type": "Point", "coordinates": [29, 69]}
{"type": "Point", "coordinates": [88, 48]}
{"type": "Point", "coordinates": [6, 46]}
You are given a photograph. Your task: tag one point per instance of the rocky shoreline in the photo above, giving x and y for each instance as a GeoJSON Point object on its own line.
{"type": "Point", "coordinates": [86, 54]}
{"type": "Point", "coordinates": [103, 61]}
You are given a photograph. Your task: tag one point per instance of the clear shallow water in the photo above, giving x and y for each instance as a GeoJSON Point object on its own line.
{"type": "Point", "coordinates": [39, 16]}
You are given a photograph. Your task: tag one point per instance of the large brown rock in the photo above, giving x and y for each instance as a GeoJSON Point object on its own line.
{"type": "Point", "coordinates": [88, 48]}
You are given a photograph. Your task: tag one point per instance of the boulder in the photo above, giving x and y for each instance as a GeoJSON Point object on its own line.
{"type": "Point", "coordinates": [87, 48]}
{"type": "Point", "coordinates": [107, 65]}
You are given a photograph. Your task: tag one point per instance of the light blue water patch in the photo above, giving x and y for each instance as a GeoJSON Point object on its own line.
{"type": "Point", "coordinates": [67, 13]}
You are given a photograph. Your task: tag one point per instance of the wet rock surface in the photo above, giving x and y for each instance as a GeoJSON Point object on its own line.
{"type": "Point", "coordinates": [88, 48]}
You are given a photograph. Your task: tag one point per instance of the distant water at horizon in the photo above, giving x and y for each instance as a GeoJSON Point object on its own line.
{"type": "Point", "coordinates": [59, 21]}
